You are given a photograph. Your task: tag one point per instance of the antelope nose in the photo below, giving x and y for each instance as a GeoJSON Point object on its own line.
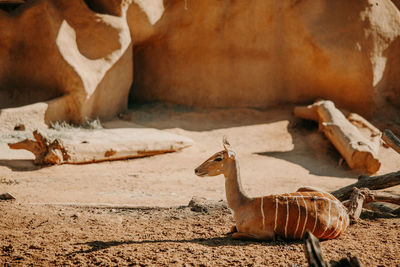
{"type": "Point", "coordinates": [196, 171]}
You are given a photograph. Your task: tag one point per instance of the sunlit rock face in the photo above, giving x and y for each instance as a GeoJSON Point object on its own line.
{"type": "Point", "coordinates": [80, 57]}
{"type": "Point", "coordinates": [261, 53]}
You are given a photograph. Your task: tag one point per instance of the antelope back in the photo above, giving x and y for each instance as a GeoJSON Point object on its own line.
{"type": "Point", "coordinates": [294, 213]}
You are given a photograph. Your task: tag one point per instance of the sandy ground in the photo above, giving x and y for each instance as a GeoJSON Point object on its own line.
{"type": "Point", "coordinates": [75, 214]}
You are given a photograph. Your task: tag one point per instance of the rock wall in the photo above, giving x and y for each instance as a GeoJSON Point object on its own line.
{"type": "Point", "coordinates": [79, 57]}
{"type": "Point", "coordinates": [61, 52]}
{"type": "Point", "coordinates": [261, 53]}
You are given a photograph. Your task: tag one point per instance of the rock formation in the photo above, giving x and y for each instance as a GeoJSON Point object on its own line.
{"type": "Point", "coordinates": [261, 53]}
{"type": "Point", "coordinates": [79, 57]}
{"type": "Point", "coordinates": [78, 62]}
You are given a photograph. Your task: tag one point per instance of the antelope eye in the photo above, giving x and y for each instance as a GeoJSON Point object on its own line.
{"type": "Point", "coordinates": [218, 159]}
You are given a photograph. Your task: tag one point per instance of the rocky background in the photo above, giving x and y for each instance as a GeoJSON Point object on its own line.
{"type": "Point", "coordinates": [87, 58]}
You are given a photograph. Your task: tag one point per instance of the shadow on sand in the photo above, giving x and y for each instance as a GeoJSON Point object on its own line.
{"type": "Point", "coordinates": [312, 151]}
{"type": "Point", "coordinates": [210, 242]}
{"type": "Point", "coordinates": [19, 164]}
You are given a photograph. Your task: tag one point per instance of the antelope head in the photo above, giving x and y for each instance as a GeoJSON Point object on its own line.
{"type": "Point", "coordinates": [218, 163]}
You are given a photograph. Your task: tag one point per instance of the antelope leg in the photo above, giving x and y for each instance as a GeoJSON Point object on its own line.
{"type": "Point", "coordinates": [248, 236]}
{"type": "Point", "coordinates": [233, 229]}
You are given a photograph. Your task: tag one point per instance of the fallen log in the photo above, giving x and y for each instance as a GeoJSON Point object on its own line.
{"type": "Point", "coordinates": [382, 207]}
{"type": "Point", "coordinates": [358, 151]}
{"type": "Point", "coordinates": [370, 182]}
{"type": "Point", "coordinates": [372, 215]}
{"type": "Point", "coordinates": [373, 133]}
{"type": "Point", "coordinates": [391, 140]}
{"type": "Point", "coordinates": [83, 146]}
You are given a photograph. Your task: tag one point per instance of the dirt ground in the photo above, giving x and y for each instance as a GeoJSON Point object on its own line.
{"type": "Point", "coordinates": [88, 214]}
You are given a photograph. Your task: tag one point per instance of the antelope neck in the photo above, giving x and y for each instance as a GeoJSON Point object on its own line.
{"type": "Point", "coordinates": [233, 186]}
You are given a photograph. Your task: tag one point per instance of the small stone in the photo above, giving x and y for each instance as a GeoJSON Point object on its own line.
{"type": "Point", "coordinates": [200, 204]}
{"type": "Point", "coordinates": [19, 127]}
{"type": "Point", "coordinates": [6, 196]}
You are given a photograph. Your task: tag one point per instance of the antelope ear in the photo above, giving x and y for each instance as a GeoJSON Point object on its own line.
{"type": "Point", "coordinates": [225, 143]}
{"type": "Point", "coordinates": [227, 147]}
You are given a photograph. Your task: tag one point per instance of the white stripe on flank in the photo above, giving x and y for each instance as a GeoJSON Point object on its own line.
{"type": "Point", "coordinates": [337, 224]}
{"type": "Point", "coordinates": [287, 216]}
{"type": "Point", "coordinates": [262, 212]}
{"type": "Point", "coordinates": [305, 220]}
{"type": "Point", "coordinates": [329, 220]}
{"type": "Point", "coordinates": [276, 213]}
{"type": "Point", "coordinates": [298, 217]}
{"type": "Point", "coordinates": [341, 222]}
{"type": "Point", "coordinates": [315, 197]}
{"type": "Point", "coordinates": [316, 217]}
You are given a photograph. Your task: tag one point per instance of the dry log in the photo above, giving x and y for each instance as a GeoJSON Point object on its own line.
{"type": "Point", "coordinates": [397, 212]}
{"type": "Point", "coordinates": [358, 151]}
{"type": "Point", "coordinates": [382, 207]}
{"type": "Point", "coordinates": [372, 132]}
{"type": "Point", "coordinates": [377, 196]}
{"type": "Point", "coordinates": [372, 215]}
{"type": "Point", "coordinates": [370, 182]}
{"type": "Point", "coordinates": [80, 146]}
{"type": "Point", "coordinates": [391, 140]}
{"type": "Point", "coordinates": [313, 254]}
{"type": "Point", "coordinates": [307, 112]}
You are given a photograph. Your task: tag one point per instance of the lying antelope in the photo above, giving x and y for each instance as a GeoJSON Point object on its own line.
{"type": "Point", "coordinates": [288, 215]}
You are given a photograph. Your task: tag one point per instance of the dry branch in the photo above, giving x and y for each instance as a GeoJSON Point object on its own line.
{"type": "Point", "coordinates": [358, 151]}
{"type": "Point", "coordinates": [370, 182]}
{"type": "Point", "coordinates": [313, 251]}
{"type": "Point", "coordinates": [372, 214]}
{"type": "Point", "coordinates": [45, 151]}
{"type": "Point", "coordinates": [391, 140]}
{"type": "Point", "coordinates": [359, 197]}
{"type": "Point", "coordinates": [381, 207]}
{"type": "Point", "coordinates": [313, 254]}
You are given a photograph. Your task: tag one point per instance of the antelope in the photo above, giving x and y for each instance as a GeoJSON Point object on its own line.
{"type": "Point", "coordinates": [287, 215]}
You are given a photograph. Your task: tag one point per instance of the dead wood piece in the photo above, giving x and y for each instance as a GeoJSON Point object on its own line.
{"type": "Point", "coordinates": [381, 207]}
{"type": "Point", "coordinates": [356, 203]}
{"type": "Point", "coordinates": [306, 112]}
{"type": "Point", "coordinates": [370, 182]}
{"type": "Point", "coordinates": [374, 134]}
{"type": "Point", "coordinates": [377, 196]}
{"type": "Point", "coordinates": [361, 122]}
{"type": "Point", "coordinates": [397, 212]}
{"type": "Point", "coordinates": [313, 251]}
{"type": "Point", "coordinates": [358, 151]}
{"type": "Point", "coordinates": [314, 255]}
{"type": "Point", "coordinates": [45, 151]}
{"type": "Point", "coordinates": [372, 215]}
{"type": "Point", "coordinates": [391, 140]}
{"type": "Point", "coordinates": [360, 197]}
